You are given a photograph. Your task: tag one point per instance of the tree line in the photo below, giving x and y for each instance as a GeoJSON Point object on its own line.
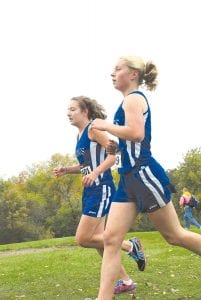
{"type": "Point", "coordinates": [36, 205]}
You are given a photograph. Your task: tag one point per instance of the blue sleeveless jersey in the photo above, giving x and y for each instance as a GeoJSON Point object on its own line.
{"type": "Point", "coordinates": [134, 154]}
{"type": "Point", "coordinates": [90, 154]}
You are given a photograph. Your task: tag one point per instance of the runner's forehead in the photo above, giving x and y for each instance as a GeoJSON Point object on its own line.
{"type": "Point", "coordinates": [73, 104]}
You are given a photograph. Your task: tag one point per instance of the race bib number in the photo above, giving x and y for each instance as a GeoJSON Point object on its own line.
{"type": "Point", "coordinates": [118, 160]}
{"type": "Point", "coordinates": [85, 170]}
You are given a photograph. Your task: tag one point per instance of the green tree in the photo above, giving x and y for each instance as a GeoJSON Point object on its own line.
{"type": "Point", "coordinates": [13, 215]}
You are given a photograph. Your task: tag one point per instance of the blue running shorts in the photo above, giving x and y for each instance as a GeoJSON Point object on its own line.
{"type": "Point", "coordinates": [148, 186]}
{"type": "Point", "coordinates": [96, 200]}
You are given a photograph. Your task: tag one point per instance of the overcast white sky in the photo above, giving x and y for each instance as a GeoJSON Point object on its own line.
{"type": "Point", "coordinates": [53, 50]}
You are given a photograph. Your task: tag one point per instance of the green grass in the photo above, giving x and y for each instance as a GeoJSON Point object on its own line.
{"type": "Point", "coordinates": [57, 269]}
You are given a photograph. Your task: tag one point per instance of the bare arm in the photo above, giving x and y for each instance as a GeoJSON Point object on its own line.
{"type": "Point", "coordinates": [67, 170]}
{"type": "Point", "coordinates": [134, 106]}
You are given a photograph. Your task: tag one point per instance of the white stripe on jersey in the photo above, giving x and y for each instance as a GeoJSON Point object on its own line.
{"type": "Point", "coordinates": [137, 149]}
{"type": "Point", "coordinates": [104, 192]}
{"type": "Point", "coordinates": [132, 161]}
{"type": "Point", "coordinates": [102, 158]}
{"type": "Point", "coordinates": [152, 188]}
{"type": "Point", "coordinates": [93, 158]}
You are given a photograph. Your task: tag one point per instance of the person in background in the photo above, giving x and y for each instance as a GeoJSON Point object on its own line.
{"type": "Point", "coordinates": [188, 203]}
{"type": "Point", "coordinates": [94, 164]}
{"type": "Point", "coordinates": [144, 186]}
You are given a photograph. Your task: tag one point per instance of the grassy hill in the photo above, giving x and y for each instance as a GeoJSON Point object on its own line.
{"type": "Point", "coordinates": [58, 269]}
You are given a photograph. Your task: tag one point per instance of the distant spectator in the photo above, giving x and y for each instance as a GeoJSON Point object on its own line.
{"type": "Point", "coordinates": [188, 202]}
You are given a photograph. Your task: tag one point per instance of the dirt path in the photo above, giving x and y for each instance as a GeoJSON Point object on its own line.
{"type": "Point", "coordinates": [29, 250]}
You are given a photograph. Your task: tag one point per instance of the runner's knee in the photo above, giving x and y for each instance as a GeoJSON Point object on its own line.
{"type": "Point", "coordinates": [175, 238]}
{"type": "Point", "coordinates": [82, 240]}
{"type": "Point", "coordinates": [111, 239]}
